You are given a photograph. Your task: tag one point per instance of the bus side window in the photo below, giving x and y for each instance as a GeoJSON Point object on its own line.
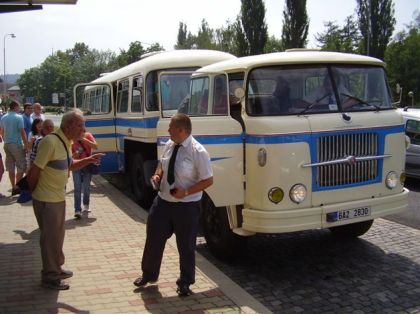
{"type": "Point", "coordinates": [105, 99]}
{"type": "Point", "coordinates": [151, 92]}
{"type": "Point", "coordinates": [220, 95]}
{"type": "Point", "coordinates": [122, 104]}
{"type": "Point", "coordinates": [236, 81]}
{"type": "Point", "coordinates": [136, 96]}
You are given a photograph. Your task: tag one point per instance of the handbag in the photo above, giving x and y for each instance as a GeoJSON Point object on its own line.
{"type": "Point", "coordinates": [23, 184]}
{"type": "Point", "coordinates": [92, 169]}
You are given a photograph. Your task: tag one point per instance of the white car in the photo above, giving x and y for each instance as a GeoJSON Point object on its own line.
{"type": "Point", "coordinates": [412, 130]}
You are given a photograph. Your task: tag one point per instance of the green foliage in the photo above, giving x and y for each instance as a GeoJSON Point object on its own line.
{"type": "Point", "coordinates": [295, 24]}
{"type": "Point", "coordinates": [402, 58]}
{"type": "Point", "coordinates": [182, 39]}
{"type": "Point", "coordinates": [273, 45]}
{"type": "Point", "coordinates": [254, 26]}
{"type": "Point", "coordinates": [342, 39]}
{"type": "Point", "coordinates": [61, 71]}
{"type": "Point", "coordinates": [376, 24]}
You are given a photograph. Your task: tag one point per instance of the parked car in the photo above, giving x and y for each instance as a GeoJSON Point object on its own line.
{"type": "Point", "coordinates": [412, 130]}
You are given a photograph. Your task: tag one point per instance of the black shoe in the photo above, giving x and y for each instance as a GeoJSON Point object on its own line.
{"type": "Point", "coordinates": [184, 291]}
{"type": "Point", "coordinates": [15, 191]}
{"type": "Point", "coordinates": [142, 282]}
{"type": "Point", "coordinates": [65, 274]}
{"type": "Point", "coordinates": [78, 215]}
{"type": "Point", "coordinates": [56, 284]}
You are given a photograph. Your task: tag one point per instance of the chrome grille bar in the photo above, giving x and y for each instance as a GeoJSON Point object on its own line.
{"type": "Point", "coordinates": [346, 159]}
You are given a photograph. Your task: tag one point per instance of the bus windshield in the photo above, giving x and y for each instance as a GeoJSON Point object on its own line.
{"type": "Point", "coordinates": [316, 89]}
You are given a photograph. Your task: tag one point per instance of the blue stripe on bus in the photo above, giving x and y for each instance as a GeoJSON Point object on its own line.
{"type": "Point", "coordinates": [99, 123]}
{"type": "Point", "coordinates": [146, 123]}
{"type": "Point", "coordinates": [209, 139]}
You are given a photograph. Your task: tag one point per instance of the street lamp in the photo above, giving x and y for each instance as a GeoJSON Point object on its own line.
{"type": "Point", "coordinates": [4, 61]}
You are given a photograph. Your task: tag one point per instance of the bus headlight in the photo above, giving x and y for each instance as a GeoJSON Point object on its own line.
{"type": "Point", "coordinates": [298, 193]}
{"type": "Point", "coordinates": [403, 177]}
{"type": "Point", "coordinates": [262, 157]}
{"type": "Point", "coordinates": [275, 195]}
{"type": "Point", "coordinates": [391, 180]}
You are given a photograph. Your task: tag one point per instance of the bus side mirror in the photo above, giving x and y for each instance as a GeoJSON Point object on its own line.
{"type": "Point", "coordinates": [239, 93]}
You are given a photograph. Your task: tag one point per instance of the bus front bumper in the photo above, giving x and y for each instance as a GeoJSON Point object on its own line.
{"type": "Point", "coordinates": [317, 217]}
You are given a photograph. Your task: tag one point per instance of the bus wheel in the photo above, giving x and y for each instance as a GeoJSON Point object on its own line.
{"type": "Point", "coordinates": [352, 230]}
{"type": "Point", "coordinates": [222, 242]}
{"type": "Point", "coordinates": [143, 194]}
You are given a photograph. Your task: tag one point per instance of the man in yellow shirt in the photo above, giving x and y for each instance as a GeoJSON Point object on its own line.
{"type": "Point", "coordinates": [47, 179]}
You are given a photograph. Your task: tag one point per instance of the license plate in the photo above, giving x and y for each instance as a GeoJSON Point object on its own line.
{"type": "Point", "coordinates": [348, 214]}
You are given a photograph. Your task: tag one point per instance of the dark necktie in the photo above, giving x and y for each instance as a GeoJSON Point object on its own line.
{"type": "Point", "coordinates": [171, 173]}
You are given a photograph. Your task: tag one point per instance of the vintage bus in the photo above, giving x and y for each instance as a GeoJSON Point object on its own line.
{"type": "Point", "coordinates": [122, 110]}
{"type": "Point", "coordinates": [298, 140]}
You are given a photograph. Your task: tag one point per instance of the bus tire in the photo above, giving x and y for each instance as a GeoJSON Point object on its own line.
{"type": "Point", "coordinates": [351, 230]}
{"type": "Point", "coordinates": [143, 194]}
{"type": "Point", "coordinates": [222, 242]}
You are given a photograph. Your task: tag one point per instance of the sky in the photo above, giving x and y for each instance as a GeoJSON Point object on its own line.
{"type": "Point", "coordinates": [114, 24]}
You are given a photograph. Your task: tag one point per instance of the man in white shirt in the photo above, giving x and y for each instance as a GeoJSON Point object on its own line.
{"type": "Point", "coordinates": [37, 114]}
{"type": "Point", "coordinates": [176, 209]}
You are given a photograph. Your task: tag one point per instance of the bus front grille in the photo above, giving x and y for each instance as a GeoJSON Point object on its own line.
{"type": "Point", "coordinates": [330, 148]}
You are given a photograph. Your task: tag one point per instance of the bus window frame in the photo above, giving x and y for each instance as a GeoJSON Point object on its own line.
{"type": "Point", "coordinates": [137, 85]}
{"type": "Point", "coordinates": [87, 98]}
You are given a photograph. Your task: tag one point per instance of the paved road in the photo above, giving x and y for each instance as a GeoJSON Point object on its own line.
{"type": "Point", "coordinates": [412, 216]}
{"type": "Point", "coordinates": [311, 272]}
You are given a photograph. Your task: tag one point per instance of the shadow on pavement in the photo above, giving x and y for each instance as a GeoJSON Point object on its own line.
{"type": "Point", "coordinates": [21, 289]}
{"type": "Point", "coordinates": [318, 273]}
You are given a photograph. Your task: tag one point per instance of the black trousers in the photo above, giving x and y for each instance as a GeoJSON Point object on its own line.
{"type": "Point", "coordinates": [166, 218]}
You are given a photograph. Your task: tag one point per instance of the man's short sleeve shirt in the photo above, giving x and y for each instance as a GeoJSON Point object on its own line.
{"type": "Point", "coordinates": [51, 158]}
{"type": "Point", "coordinates": [12, 123]}
{"type": "Point", "coordinates": [192, 165]}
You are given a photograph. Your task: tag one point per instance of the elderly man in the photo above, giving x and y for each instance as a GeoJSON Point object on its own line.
{"type": "Point", "coordinates": [15, 144]}
{"type": "Point", "coordinates": [37, 114]}
{"type": "Point", "coordinates": [47, 179]}
{"type": "Point", "coordinates": [184, 172]}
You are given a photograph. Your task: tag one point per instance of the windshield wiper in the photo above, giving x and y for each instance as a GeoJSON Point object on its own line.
{"type": "Point", "coordinates": [316, 102]}
{"type": "Point", "coordinates": [360, 101]}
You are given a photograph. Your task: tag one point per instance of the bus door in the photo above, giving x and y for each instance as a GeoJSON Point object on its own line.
{"type": "Point", "coordinates": [207, 105]}
{"type": "Point", "coordinates": [97, 103]}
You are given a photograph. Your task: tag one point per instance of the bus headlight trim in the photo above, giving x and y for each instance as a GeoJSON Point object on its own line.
{"type": "Point", "coordinates": [391, 180]}
{"type": "Point", "coordinates": [298, 193]}
{"type": "Point", "coordinates": [262, 157]}
{"type": "Point", "coordinates": [275, 195]}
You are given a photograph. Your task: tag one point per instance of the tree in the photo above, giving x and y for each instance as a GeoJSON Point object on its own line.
{"type": "Point", "coordinates": [401, 56]}
{"type": "Point", "coordinates": [181, 42]}
{"type": "Point", "coordinates": [253, 25]}
{"type": "Point", "coordinates": [273, 45]}
{"type": "Point", "coordinates": [205, 37]}
{"type": "Point", "coordinates": [242, 48]}
{"type": "Point", "coordinates": [342, 39]}
{"type": "Point", "coordinates": [295, 24]}
{"type": "Point", "coordinates": [376, 24]}
{"type": "Point", "coordinates": [225, 38]}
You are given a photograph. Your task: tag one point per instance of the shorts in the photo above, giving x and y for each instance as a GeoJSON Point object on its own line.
{"type": "Point", "coordinates": [15, 157]}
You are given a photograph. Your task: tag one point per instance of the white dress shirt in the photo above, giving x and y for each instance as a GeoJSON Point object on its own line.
{"type": "Point", "coordinates": [192, 165]}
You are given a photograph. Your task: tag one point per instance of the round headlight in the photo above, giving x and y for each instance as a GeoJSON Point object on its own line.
{"type": "Point", "coordinates": [275, 195]}
{"type": "Point", "coordinates": [403, 177]}
{"type": "Point", "coordinates": [391, 180]}
{"type": "Point", "coordinates": [298, 193]}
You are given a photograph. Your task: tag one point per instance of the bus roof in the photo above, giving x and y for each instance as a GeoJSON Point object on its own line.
{"type": "Point", "coordinates": [167, 60]}
{"type": "Point", "coordinates": [293, 56]}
